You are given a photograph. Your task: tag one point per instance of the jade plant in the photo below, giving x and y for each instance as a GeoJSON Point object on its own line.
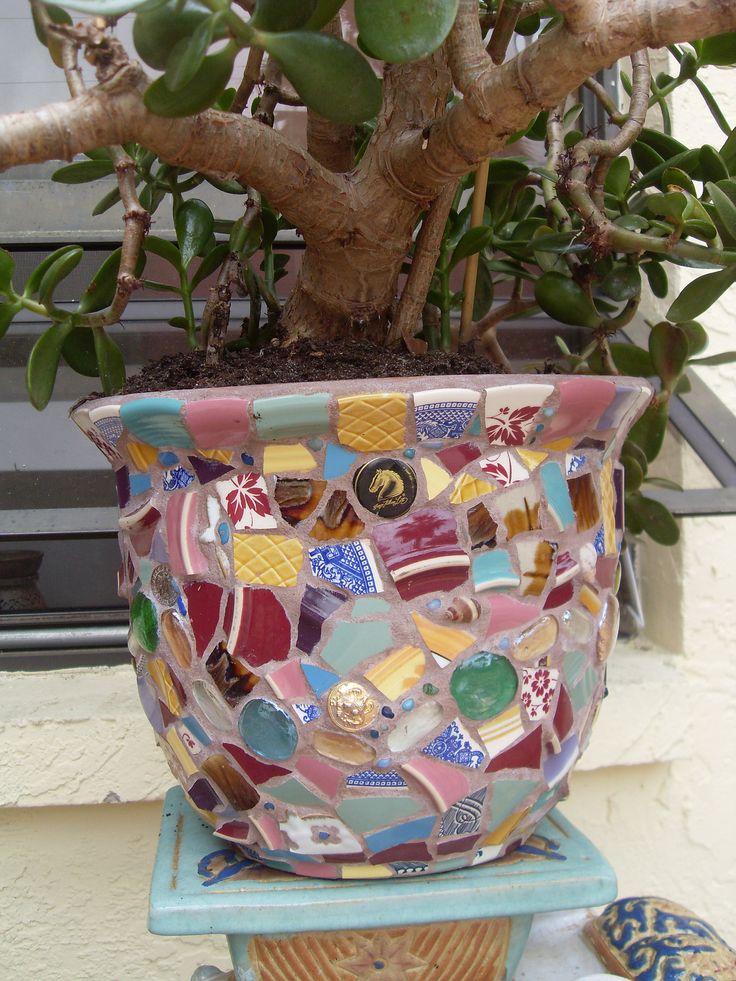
{"type": "Point", "coordinates": [409, 104]}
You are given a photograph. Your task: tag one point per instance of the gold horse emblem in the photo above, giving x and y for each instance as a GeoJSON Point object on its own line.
{"type": "Point", "coordinates": [386, 485]}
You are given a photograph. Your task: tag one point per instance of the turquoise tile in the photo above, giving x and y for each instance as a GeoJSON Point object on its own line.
{"type": "Point", "coordinates": [287, 416]}
{"type": "Point", "coordinates": [292, 791]}
{"type": "Point", "coordinates": [506, 795]}
{"type": "Point", "coordinates": [156, 421]}
{"type": "Point", "coordinates": [352, 643]}
{"type": "Point", "coordinates": [493, 570]}
{"type": "Point", "coordinates": [319, 679]}
{"type": "Point", "coordinates": [557, 494]}
{"type": "Point", "coordinates": [366, 813]}
{"type": "Point", "coordinates": [417, 830]}
{"type": "Point", "coordinates": [368, 607]}
{"type": "Point", "coordinates": [337, 461]}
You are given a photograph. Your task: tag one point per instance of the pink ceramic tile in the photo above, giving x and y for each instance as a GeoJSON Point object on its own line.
{"type": "Point", "coordinates": [444, 783]}
{"type": "Point", "coordinates": [582, 402]}
{"type": "Point", "coordinates": [508, 613]}
{"type": "Point", "coordinates": [217, 423]}
{"type": "Point", "coordinates": [288, 681]}
{"type": "Point", "coordinates": [185, 556]}
{"type": "Point", "coordinates": [269, 830]}
{"type": "Point", "coordinates": [326, 778]}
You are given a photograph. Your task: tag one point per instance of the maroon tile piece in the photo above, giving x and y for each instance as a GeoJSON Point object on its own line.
{"type": "Point", "coordinates": [605, 570]}
{"type": "Point", "coordinates": [256, 626]}
{"type": "Point", "coordinates": [208, 470]}
{"type": "Point", "coordinates": [317, 605]}
{"type": "Point", "coordinates": [422, 552]}
{"type": "Point", "coordinates": [525, 753]}
{"type": "Point", "coordinates": [122, 485]}
{"type": "Point", "coordinates": [203, 605]}
{"type": "Point", "coordinates": [559, 596]}
{"type": "Point", "coordinates": [618, 486]}
{"type": "Point", "coordinates": [234, 829]}
{"type": "Point", "coordinates": [457, 845]}
{"type": "Point", "coordinates": [180, 689]}
{"type": "Point", "coordinates": [409, 851]}
{"type": "Point", "coordinates": [167, 717]}
{"type": "Point", "coordinates": [454, 458]}
{"type": "Point", "coordinates": [258, 771]}
{"type": "Point", "coordinates": [563, 718]}
{"type": "Point", "coordinates": [346, 859]}
{"type": "Point", "coordinates": [203, 795]}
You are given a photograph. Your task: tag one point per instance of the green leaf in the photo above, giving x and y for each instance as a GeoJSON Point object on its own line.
{"type": "Point", "coordinates": [282, 15]}
{"type": "Point", "coordinates": [181, 323]}
{"type": "Point", "coordinates": [110, 362]}
{"type": "Point", "coordinates": [43, 363]}
{"type": "Point", "coordinates": [725, 357]}
{"type": "Point", "coordinates": [201, 91]}
{"type": "Point", "coordinates": [562, 299]}
{"type": "Point", "coordinates": [561, 243]}
{"type": "Point", "coordinates": [646, 158]}
{"type": "Point", "coordinates": [725, 208]}
{"type": "Point", "coordinates": [669, 348]}
{"type": "Point", "coordinates": [7, 312]}
{"type": "Point", "coordinates": [34, 280]}
{"type": "Point", "coordinates": [474, 240]}
{"type": "Point", "coordinates": [483, 290]}
{"type": "Point", "coordinates": [674, 177]}
{"type": "Point", "coordinates": [634, 475]}
{"type": "Point", "coordinates": [164, 250]}
{"type": "Point", "coordinates": [670, 205]}
{"type": "Point", "coordinates": [57, 271]}
{"type": "Point", "coordinates": [697, 338]}
{"type": "Point", "coordinates": [631, 449]}
{"type": "Point", "coordinates": [622, 283]}
{"type": "Point", "coordinates": [655, 519]}
{"type": "Point", "coordinates": [107, 201]}
{"type": "Point", "coordinates": [664, 483]}
{"type": "Point", "coordinates": [719, 50]}
{"type": "Point", "coordinates": [155, 32]}
{"type": "Point", "coordinates": [404, 30]}
{"type": "Point", "coordinates": [212, 261]}
{"type": "Point", "coordinates": [83, 172]}
{"type": "Point", "coordinates": [666, 146]}
{"type": "Point", "coordinates": [648, 433]}
{"type": "Point", "coordinates": [632, 360]}
{"type": "Point", "coordinates": [194, 223]}
{"type": "Point", "coordinates": [635, 223]}
{"type": "Point", "coordinates": [100, 292]}
{"type": "Point", "coordinates": [657, 277]}
{"type": "Point", "coordinates": [712, 164]}
{"type": "Point", "coordinates": [188, 54]}
{"type": "Point", "coordinates": [78, 350]}
{"type": "Point", "coordinates": [506, 170]}
{"type": "Point", "coordinates": [618, 177]}
{"type": "Point", "coordinates": [7, 266]}
{"type": "Point", "coordinates": [331, 77]}
{"type": "Point", "coordinates": [702, 293]}
{"type": "Point", "coordinates": [104, 8]}
{"type": "Point", "coordinates": [245, 238]}
{"type": "Point", "coordinates": [324, 11]}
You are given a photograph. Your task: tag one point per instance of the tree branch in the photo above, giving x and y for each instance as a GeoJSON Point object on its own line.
{"type": "Point", "coordinates": [216, 143]}
{"type": "Point", "coordinates": [331, 143]}
{"type": "Point", "coordinates": [503, 100]}
{"type": "Point", "coordinates": [466, 53]}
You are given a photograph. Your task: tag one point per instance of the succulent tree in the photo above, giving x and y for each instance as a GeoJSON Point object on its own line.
{"type": "Point", "coordinates": [398, 120]}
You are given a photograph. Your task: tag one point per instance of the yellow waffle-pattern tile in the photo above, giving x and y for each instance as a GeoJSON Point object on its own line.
{"type": "Point", "coordinates": [267, 560]}
{"type": "Point", "coordinates": [372, 422]}
{"type": "Point", "coordinates": [141, 455]}
{"type": "Point", "coordinates": [467, 488]}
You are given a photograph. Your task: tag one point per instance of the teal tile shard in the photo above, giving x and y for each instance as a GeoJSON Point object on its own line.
{"type": "Point", "coordinates": [367, 813]}
{"type": "Point", "coordinates": [493, 570]}
{"type": "Point", "coordinates": [294, 792]}
{"type": "Point", "coordinates": [368, 607]}
{"type": "Point", "coordinates": [352, 643]}
{"type": "Point", "coordinates": [319, 679]}
{"type": "Point", "coordinates": [417, 830]}
{"type": "Point", "coordinates": [506, 795]}
{"type": "Point", "coordinates": [474, 428]}
{"type": "Point", "coordinates": [288, 416]}
{"type": "Point", "coordinates": [156, 421]}
{"type": "Point", "coordinates": [558, 495]}
{"type": "Point", "coordinates": [337, 461]}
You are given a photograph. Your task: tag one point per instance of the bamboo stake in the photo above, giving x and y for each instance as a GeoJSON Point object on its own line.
{"type": "Point", "coordinates": [471, 264]}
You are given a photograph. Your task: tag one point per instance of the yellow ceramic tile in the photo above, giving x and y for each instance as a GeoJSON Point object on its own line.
{"type": "Point", "coordinates": [293, 458]}
{"type": "Point", "coordinates": [437, 478]}
{"type": "Point", "coordinates": [590, 599]}
{"type": "Point", "coordinates": [560, 445]}
{"type": "Point", "coordinates": [222, 456]}
{"type": "Point", "coordinates": [502, 731]}
{"type": "Point", "coordinates": [372, 422]}
{"type": "Point", "coordinates": [366, 872]}
{"type": "Point", "coordinates": [468, 488]}
{"type": "Point", "coordinates": [184, 758]}
{"type": "Point", "coordinates": [141, 455]}
{"type": "Point", "coordinates": [398, 672]}
{"type": "Point", "coordinates": [531, 458]}
{"type": "Point", "coordinates": [159, 672]}
{"type": "Point", "coordinates": [499, 835]}
{"type": "Point", "coordinates": [446, 641]}
{"type": "Point", "coordinates": [268, 560]}
{"type": "Point", "coordinates": [608, 505]}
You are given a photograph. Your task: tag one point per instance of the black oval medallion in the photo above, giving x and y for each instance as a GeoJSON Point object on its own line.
{"type": "Point", "coordinates": [386, 487]}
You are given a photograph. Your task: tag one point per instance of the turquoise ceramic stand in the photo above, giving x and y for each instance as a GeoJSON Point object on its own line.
{"type": "Point", "coordinates": [202, 885]}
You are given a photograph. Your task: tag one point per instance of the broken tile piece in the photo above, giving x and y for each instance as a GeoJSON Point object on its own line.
{"type": "Point", "coordinates": [481, 527]}
{"type": "Point", "coordinates": [233, 680]}
{"type": "Point", "coordinates": [455, 745]}
{"type": "Point", "coordinates": [414, 726]}
{"type": "Point", "coordinates": [297, 497]}
{"type": "Point", "coordinates": [233, 785]}
{"type": "Point", "coordinates": [269, 560]}
{"type": "Point", "coordinates": [535, 563]}
{"type": "Point", "coordinates": [584, 501]}
{"type": "Point", "coordinates": [156, 421]}
{"type": "Point", "coordinates": [343, 747]}
{"type": "Point", "coordinates": [293, 458]}
{"type": "Point", "coordinates": [290, 416]}
{"type": "Point", "coordinates": [463, 818]}
{"type": "Point", "coordinates": [531, 458]}
{"type": "Point", "coordinates": [582, 402]}
{"type": "Point", "coordinates": [525, 753]}
{"type": "Point", "coordinates": [338, 461]}
{"type": "Point", "coordinates": [372, 422]}
{"type": "Point", "coordinates": [288, 681]}
{"type": "Point", "coordinates": [376, 778]}
{"type": "Point", "coordinates": [504, 467]}
{"type": "Point", "coordinates": [293, 791]}
{"type": "Point", "coordinates": [325, 777]}
{"type": "Point", "coordinates": [510, 412]}
{"type": "Point", "coordinates": [493, 570]}
{"type": "Point", "coordinates": [507, 613]}
{"type": "Point", "coordinates": [445, 784]}
{"type": "Point", "coordinates": [444, 642]}
{"type": "Point", "coordinates": [257, 629]}
{"type": "Point", "coordinates": [537, 691]}
{"type": "Point", "coordinates": [499, 733]}
{"type": "Point", "coordinates": [244, 497]}
{"type": "Point", "coordinates": [352, 643]}
{"type": "Point", "coordinates": [444, 413]}
{"type": "Point", "coordinates": [208, 470]}
{"type": "Point", "coordinates": [458, 456]}
{"type": "Point", "coordinates": [365, 814]}
{"type": "Point", "coordinates": [557, 494]}
{"type": "Point", "coordinates": [436, 478]}
{"type": "Point", "coordinates": [519, 509]}
{"type": "Point", "coordinates": [468, 488]}
{"type": "Point", "coordinates": [397, 673]}
{"type": "Point", "coordinates": [368, 607]}
{"type": "Point", "coordinates": [338, 520]}
{"type": "Point", "coordinates": [422, 552]}
{"type": "Point", "coordinates": [217, 422]}
{"type": "Point", "coordinates": [350, 565]}
{"type": "Point", "coordinates": [178, 478]}
{"type": "Point", "coordinates": [182, 527]}
{"type": "Point", "coordinates": [317, 605]}
{"type": "Point", "coordinates": [536, 640]}
{"type": "Point", "coordinates": [319, 679]}
{"type": "Point", "coordinates": [307, 713]}
{"type": "Point", "coordinates": [320, 834]}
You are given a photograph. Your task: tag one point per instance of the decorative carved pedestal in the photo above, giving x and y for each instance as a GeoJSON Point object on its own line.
{"type": "Point", "coordinates": [471, 923]}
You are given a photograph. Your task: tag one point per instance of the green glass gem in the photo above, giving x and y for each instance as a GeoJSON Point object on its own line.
{"type": "Point", "coordinates": [144, 622]}
{"type": "Point", "coordinates": [483, 685]}
{"type": "Point", "coordinates": [430, 689]}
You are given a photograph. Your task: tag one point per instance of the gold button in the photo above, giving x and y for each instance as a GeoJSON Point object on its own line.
{"type": "Point", "coordinates": [351, 707]}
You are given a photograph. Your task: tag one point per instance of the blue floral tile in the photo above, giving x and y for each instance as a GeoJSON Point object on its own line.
{"type": "Point", "coordinates": [463, 818]}
{"type": "Point", "coordinates": [350, 565]}
{"type": "Point", "coordinates": [444, 413]}
{"type": "Point", "coordinates": [307, 713]}
{"type": "Point", "coordinates": [177, 478]}
{"type": "Point", "coordinates": [454, 745]}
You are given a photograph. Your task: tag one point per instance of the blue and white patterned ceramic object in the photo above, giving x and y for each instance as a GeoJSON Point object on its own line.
{"type": "Point", "coordinates": [350, 565]}
{"type": "Point", "coordinates": [444, 413]}
{"type": "Point", "coordinates": [454, 745]}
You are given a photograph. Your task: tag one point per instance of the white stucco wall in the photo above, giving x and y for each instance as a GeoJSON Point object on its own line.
{"type": "Point", "coordinates": [656, 790]}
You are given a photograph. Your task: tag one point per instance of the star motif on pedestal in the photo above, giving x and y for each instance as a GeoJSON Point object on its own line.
{"type": "Point", "coordinates": [384, 958]}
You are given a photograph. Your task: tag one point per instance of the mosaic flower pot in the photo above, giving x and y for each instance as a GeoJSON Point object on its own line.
{"type": "Point", "coordinates": [370, 619]}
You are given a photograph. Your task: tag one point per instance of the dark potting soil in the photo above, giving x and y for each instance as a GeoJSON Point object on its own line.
{"type": "Point", "coordinates": [306, 361]}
